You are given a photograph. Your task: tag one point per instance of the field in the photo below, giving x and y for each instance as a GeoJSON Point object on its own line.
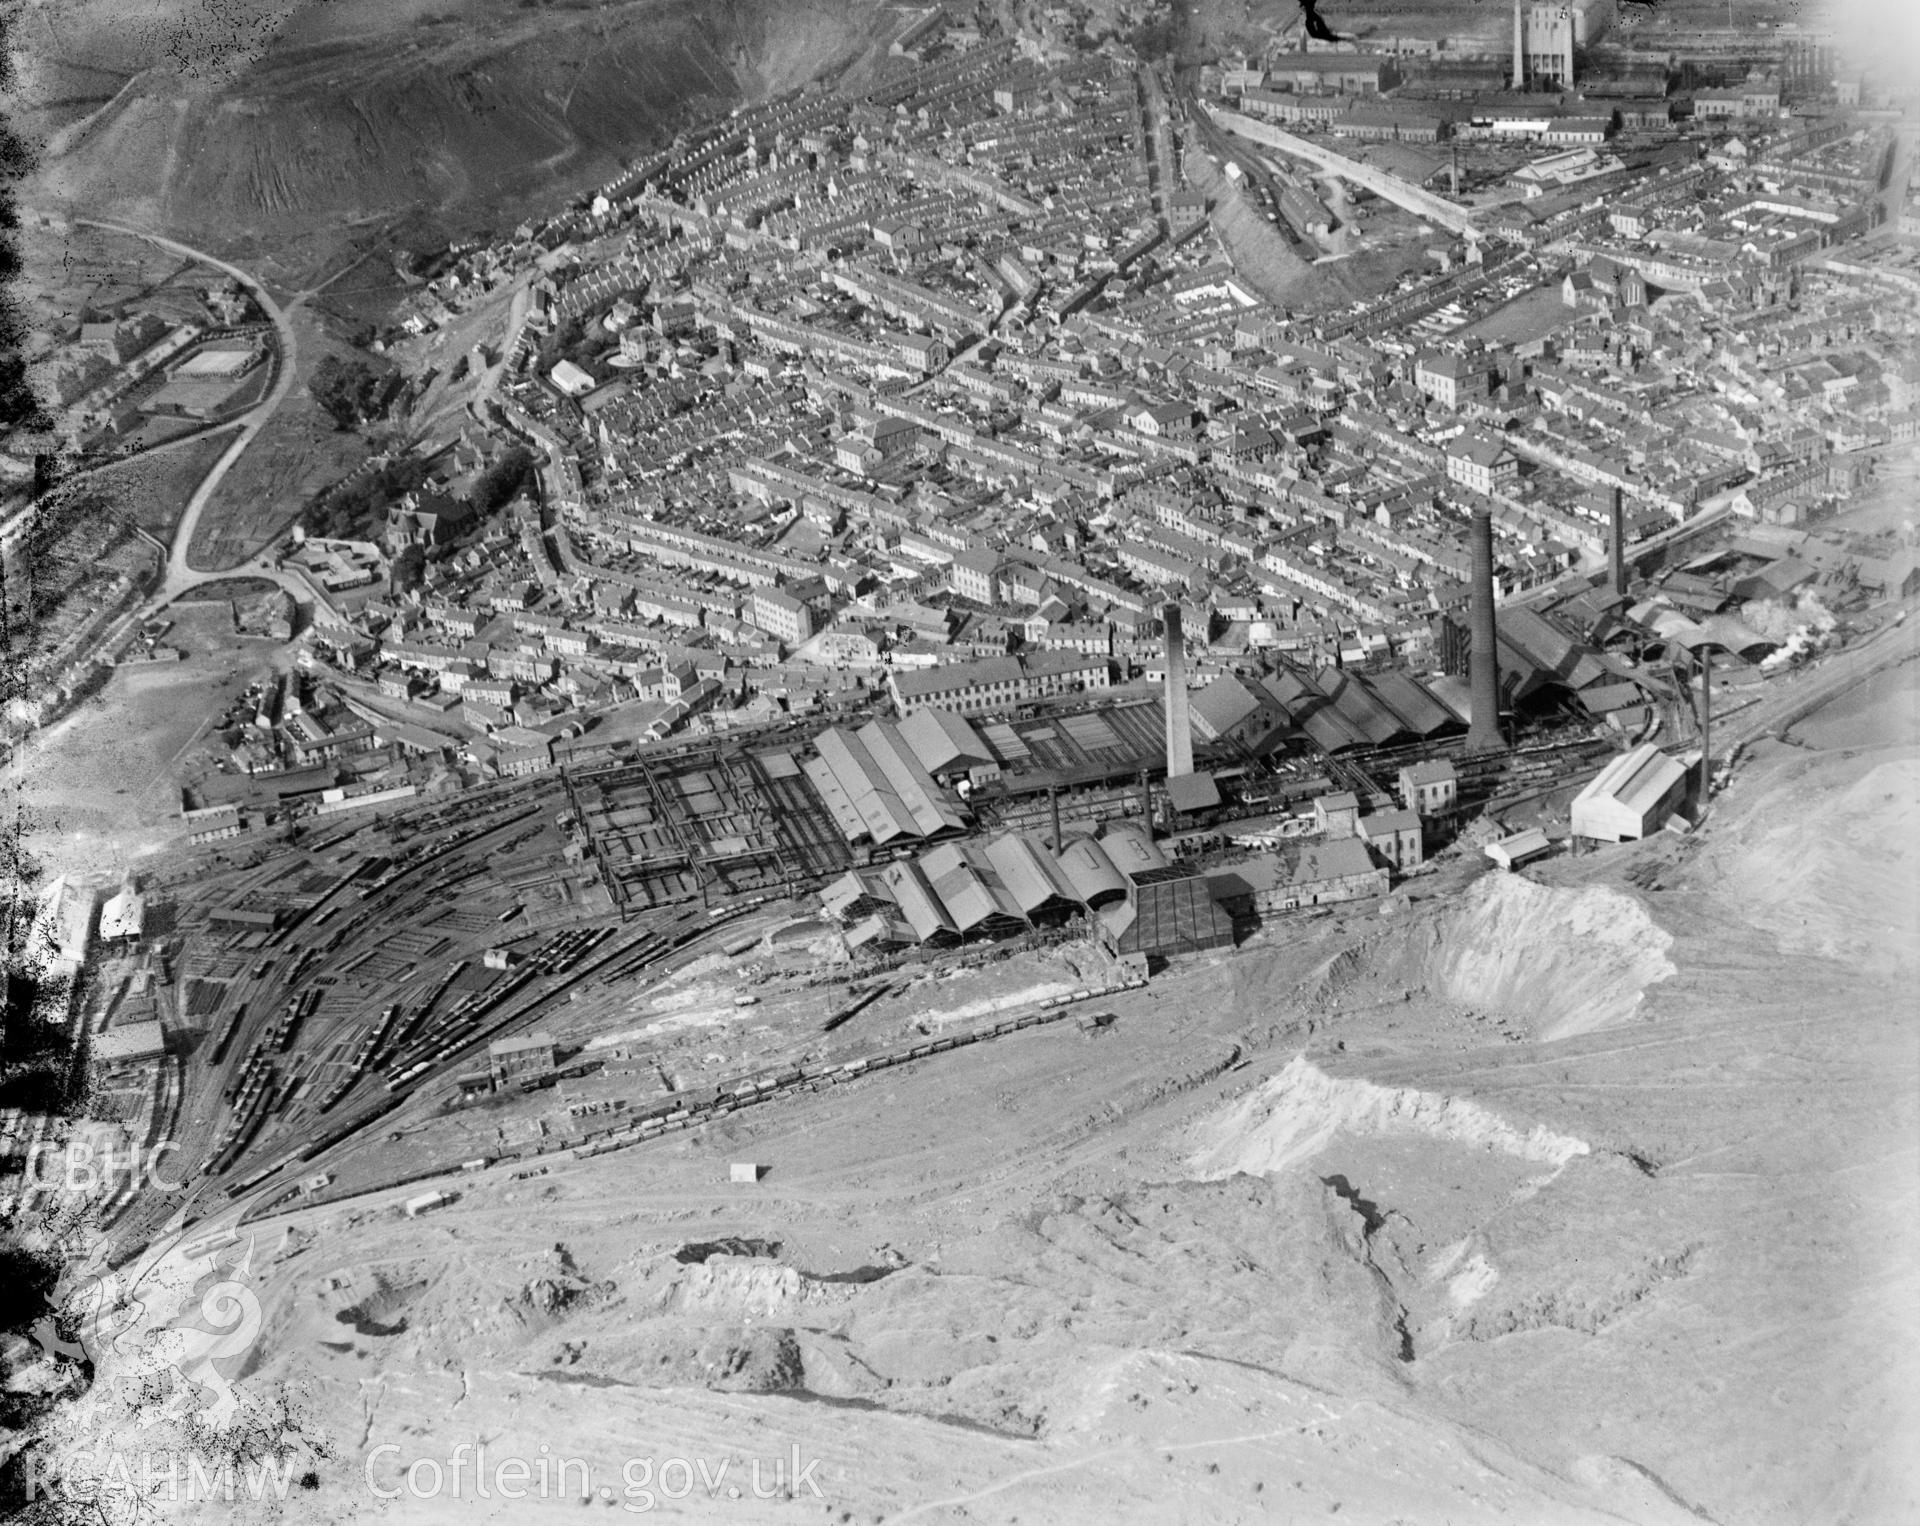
{"type": "Point", "coordinates": [77, 265]}
{"type": "Point", "coordinates": [296, 454]}
{"type": "Point", "coordinates": [1531, 315]}
{"type": "Point", "coordinates": [153, 488]}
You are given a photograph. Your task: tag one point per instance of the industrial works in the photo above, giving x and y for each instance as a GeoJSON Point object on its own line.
{"type": "Point", "coordinates": [1107, 762]}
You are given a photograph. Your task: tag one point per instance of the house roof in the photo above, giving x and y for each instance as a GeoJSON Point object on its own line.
{"type": "Point", "coordinates": [1479, 448]}
{"type": "Point", "coordinates": [1382, 822]}
{"type": "Point", "coordinates": [1334, 860]}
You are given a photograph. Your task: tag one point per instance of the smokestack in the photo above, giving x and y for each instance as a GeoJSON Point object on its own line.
{"type": "Point", "coordinates": [1053, 800]}
{"type": "Point", "coordinates": [1618, 549]}
{"type": "Point", "coordinates": [1706, 722]}
{"type": "Point", "coordinates": [1179, 725]}
{"type": "Point", "coordinates": [1484, 653]}
{"type": "Point", "coordinates": [1519, 50]}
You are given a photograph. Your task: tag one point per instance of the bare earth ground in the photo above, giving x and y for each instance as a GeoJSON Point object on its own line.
{"type": "Point", "coordinates": [1574, 1196]}
{"type": "Point", "coordinates": [99, 787]}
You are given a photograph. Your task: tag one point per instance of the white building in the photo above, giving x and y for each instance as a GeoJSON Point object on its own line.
{"type": "Point", "coordinates": [1631, 797]}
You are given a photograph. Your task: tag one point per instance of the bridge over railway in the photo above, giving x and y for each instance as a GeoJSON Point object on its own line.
{"type": "Point", "coordinates": [1402, 193]}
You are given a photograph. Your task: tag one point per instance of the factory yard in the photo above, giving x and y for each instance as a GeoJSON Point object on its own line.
{"type": "Point", "coordinates": [1569, 1195]}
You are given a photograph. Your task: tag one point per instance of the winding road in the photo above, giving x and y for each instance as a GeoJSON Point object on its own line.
{"type": "Point", "coordinates": [180, 574]}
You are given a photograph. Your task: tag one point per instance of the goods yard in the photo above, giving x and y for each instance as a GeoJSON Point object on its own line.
{"type": "Point", "coordinates": [720, 823]}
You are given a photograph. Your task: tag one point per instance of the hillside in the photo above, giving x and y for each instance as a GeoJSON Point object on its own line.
{"type": "Point", "coordinates": [265, 124]}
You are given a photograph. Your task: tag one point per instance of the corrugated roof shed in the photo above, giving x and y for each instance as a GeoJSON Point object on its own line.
{"type": "Point", "coordinates": [1313, 712]}
{"type": "Point", "coordinates": [1411, 700]}
{"type": "Point", "coordinates": [876, 781]}
{"type": "Point", "coordinates": [1549, 648]}
{"type": "Point", "coordinates": [1032, 875]}
{"type": "Point", "coordinates": [943, 740]}
{"type": "Point", "coordinates": [1095, 880]}
{"type": "Point", "coordinates": [969, 886]}
{"type": "Point", "coordinates": [1359, 708]}
{"type": "Point", "coordinates": [919, 905]}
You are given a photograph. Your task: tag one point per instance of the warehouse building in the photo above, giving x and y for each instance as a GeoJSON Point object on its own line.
{"type": "Point", "coordinates": [876, 787]}
{"type": "Point", "coordinates": [130, 1043]}
{"type": "Point", "coordinates": [529, 1055]}
{"type": "Point", "coordinates": [1631, 797]}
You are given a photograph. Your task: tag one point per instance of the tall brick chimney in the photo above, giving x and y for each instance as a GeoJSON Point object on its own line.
{"type": "Point", "coordinates": [1179, 724]}
{"type": "Point", "coordinates": [1617, 547]}
{"type": "Point", "coordinates": [1483, 735]}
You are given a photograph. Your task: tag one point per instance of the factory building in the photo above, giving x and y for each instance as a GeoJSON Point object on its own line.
{"type": "Point", "coordinates": [877, 788]}
{"type": "Point", "coordinates": [1431, 788]}
{"type": "Point", "coordinates": [529, 1055]}
{"type": "Point", "coordinates": [1168, 916]}
{"type": "Point", "coordinates": [1631, 797]}
{"type": "Point", "coordinates": [991, 888]}
{"type": "Point", "coordinates": [1312, 874]}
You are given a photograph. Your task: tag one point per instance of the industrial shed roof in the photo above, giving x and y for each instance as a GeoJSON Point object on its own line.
{"type": "Point", "coordinates": [1313, 712]}
{"type": "Point", "coordinates": [1549, 649]}
{"type": "Point", "coordinates": [942, 740]}
{"type": "Point", "coordinates": [1626, 797]}
{"type": "Point", "coordinates": [1413, 702]}
{"type": "Point", "coordinates": [128, 1043]}
{"type": "Point", "coordinates": [878, 783]}
{"type": "Point", "coordinates": [1032, 875]}
{"type": "Point", "coordinates": [918, 903]}
{"type": "Point", "coordinates": [1359, 707]}
{"type": "Point", "coordinates": [970, 887]}
{"type": "Point", "coordinates": [1094, 878]}
{"type": "Point", "coordinates": [1132, 850]}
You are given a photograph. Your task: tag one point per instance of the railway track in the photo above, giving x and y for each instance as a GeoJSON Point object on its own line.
{"type": "Point", "coordinates": [707, 1105]}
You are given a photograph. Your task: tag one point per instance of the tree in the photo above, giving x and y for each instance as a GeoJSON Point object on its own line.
{"type": "Point", "coordinates": [409, 568]}
{"type": "Point", "coordinates": [500, 481]}
{"type": "Point", "coordinates": [350, 391]}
